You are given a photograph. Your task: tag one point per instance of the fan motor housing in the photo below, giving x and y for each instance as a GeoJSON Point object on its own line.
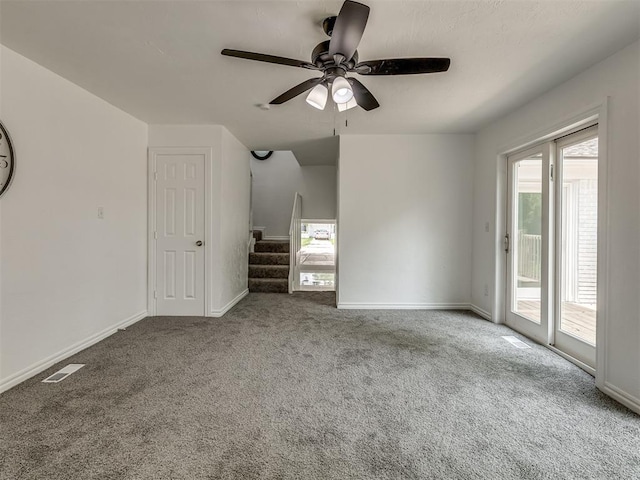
{"type": "Point", "coordinates": [321, 58]}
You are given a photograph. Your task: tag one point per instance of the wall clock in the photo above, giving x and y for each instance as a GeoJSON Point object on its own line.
{"type": "Point", "coordinates": [261, 154]}
{"type": "Point", "coordinates": [7, 160]}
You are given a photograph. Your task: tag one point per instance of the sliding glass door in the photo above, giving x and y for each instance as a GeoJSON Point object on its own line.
{"type": "Point", "coordinates": [551, 243]}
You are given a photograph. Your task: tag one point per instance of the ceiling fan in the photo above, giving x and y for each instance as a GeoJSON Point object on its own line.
{"type": "Point", "coordinates": [337, 57]}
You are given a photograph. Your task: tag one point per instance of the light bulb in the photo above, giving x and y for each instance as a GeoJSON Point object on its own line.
{"type": "Point", "coordinates": [318, 97]}
{"type": "Point", "coordinates": [341, 90]}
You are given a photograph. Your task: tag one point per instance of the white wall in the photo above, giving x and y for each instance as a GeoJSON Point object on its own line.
{"type": "Point", "coordinates": [66, 276]}
{"type": "Point", "coordinates": [405, 220]}
{"type": "Point", "coordinates": [234, 227]}
{"type": "Point", "coordinates": [276, 180]}
{"type": "Point", "coordinates": [618, 78]}
{"type": "Point", "coordinates": [229, 185]}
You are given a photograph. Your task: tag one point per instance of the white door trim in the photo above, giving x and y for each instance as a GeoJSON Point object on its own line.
{"type": "Point", "coordinates": [153, 152]}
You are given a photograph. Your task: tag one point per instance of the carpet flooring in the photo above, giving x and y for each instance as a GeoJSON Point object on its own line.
{"type": "Point", "coordinates": [288, 387]}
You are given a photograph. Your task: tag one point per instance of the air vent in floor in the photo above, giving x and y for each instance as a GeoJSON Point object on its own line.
{"type": "Point", "coordinates": [64, 373]}
{"type": "Point", "coordinates": [515, 342]}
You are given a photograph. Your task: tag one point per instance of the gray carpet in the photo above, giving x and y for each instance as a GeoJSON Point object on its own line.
{"type": "Point", "coordinates": [288, 387]}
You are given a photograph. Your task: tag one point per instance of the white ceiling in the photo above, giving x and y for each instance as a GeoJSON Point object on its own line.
{"type": "Point", "coordinates": [160, 60]}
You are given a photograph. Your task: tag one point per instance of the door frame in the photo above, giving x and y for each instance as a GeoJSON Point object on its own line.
{"type": "Point", "coordinates": [594, 113]}
{"type": "Point", "coordinates": [152, 155]}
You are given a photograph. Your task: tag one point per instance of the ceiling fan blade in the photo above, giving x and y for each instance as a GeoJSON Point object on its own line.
{"type": "Point", "coordinates": [348, 29]}
{"type": "Point", "coordinates": [297, 90]}
{"type": "Point", "coordinates": [363, 96]}
{"type": "Point", "coordinates": [403, 66]}
{"type": "Point", "coordinates": [261, 57]}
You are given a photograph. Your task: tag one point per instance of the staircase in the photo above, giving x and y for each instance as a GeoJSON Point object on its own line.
{"type": "Point", "coordinates": [269, 265]}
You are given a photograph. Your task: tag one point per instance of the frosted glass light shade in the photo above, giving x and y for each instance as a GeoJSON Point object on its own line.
{"type": "Point", "coordinates": [341, 90]}
{"type": "Point", "coordinates": [346, 106]}
{"type": "Point", "coordinates": [318, 97]}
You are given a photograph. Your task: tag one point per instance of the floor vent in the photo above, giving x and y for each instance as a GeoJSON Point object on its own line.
{"type": "Point", "coordinates": [64, 373]}
{"type": "Point", "coordinates": [515, 342]}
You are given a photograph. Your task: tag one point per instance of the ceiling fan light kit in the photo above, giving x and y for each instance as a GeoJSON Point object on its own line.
{"type": "Point", "coordinates": [343, 107]}
{"type": "Point", "coordinates": [318, 97]}
{"type": "Point", "coordinates": [341, 90]}
{"type": "Point", "coordinates": [339, 56]}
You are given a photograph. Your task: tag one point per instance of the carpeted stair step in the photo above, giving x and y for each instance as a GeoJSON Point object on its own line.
{"type": "Point", "coordinates": [257, 234]}
{"type": "Point", "coordinates": [269, 285]}
{"type": "Point", "coordinates": [268, 271]}
{"type": "Point", "coordinates": [272, 246]}
{"type": "Point", "coordinates": [269, 259]}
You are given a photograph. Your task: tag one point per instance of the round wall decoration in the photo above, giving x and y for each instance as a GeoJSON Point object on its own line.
{"type": "Point", "coordinates": [7, 160]}
{"type": "Point", "coordinates": [261, 154]}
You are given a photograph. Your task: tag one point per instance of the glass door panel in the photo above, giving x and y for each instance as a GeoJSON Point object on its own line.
{"type": "Point", "coordinates": [318, 255]}
{"type": "Point", "coordinates": [527, 241]}
{"type": "Point", "coordinates": [527, 266]}
{"type": "Point", "coordinates": [576, 260]}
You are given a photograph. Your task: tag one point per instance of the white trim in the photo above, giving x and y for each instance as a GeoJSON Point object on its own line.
{"type": "Point", "coordinates": [152, 152]}
{"type": "Point", "coordinates": [403, 306]}
{"type": "Point", "coordinates": [604, 251]}
{"type": "Point", "coordinates": [230, 305]}
{"type": "Point", "coordinates": [151, 229]}
{"type": "Point", "coordinates": [479, 311]}
{"type": "Point", "coordinates": [621, 396]}
{"type": "Point", "coordinates": [42, 365]}
{"type": "Point", "coordinates": [276, 237]}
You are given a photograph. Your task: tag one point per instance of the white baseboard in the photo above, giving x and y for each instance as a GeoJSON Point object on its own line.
{"type": "Point", "coordinates": [415, 306]}
{"type": "Point", "coordinates": [270, 237]}
{"type": "Point", "coordinates": [483, 313]}
{"type": "Point", "coordinates": [42, 365]}
{"type": "Point", "coordinates": [230, 305]}
{"type": "Point", "coordinates": [621, 396]}
{"type": "Point", "coordinates": [276, 237]}
{"type": "Point", "coordinates": [403, 306]}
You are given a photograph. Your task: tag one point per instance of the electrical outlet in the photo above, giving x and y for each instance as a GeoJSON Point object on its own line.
{"type": "Point", "coordinates": [486, 227]}
{"type": "Point", "coordinates": [101, 213]}
{"type": "Point", "coordinates": [486, 290]}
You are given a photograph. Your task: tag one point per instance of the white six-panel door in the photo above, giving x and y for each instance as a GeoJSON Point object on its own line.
{"type": "Point", "coordinates": [179, 234]}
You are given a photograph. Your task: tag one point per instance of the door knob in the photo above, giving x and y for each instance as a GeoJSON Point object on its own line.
{"type": "Point", "coordinates": [199, 243]}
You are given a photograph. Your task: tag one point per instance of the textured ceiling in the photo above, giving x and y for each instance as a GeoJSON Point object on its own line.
{"type": "Point", "coordinates": [160, 61]}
